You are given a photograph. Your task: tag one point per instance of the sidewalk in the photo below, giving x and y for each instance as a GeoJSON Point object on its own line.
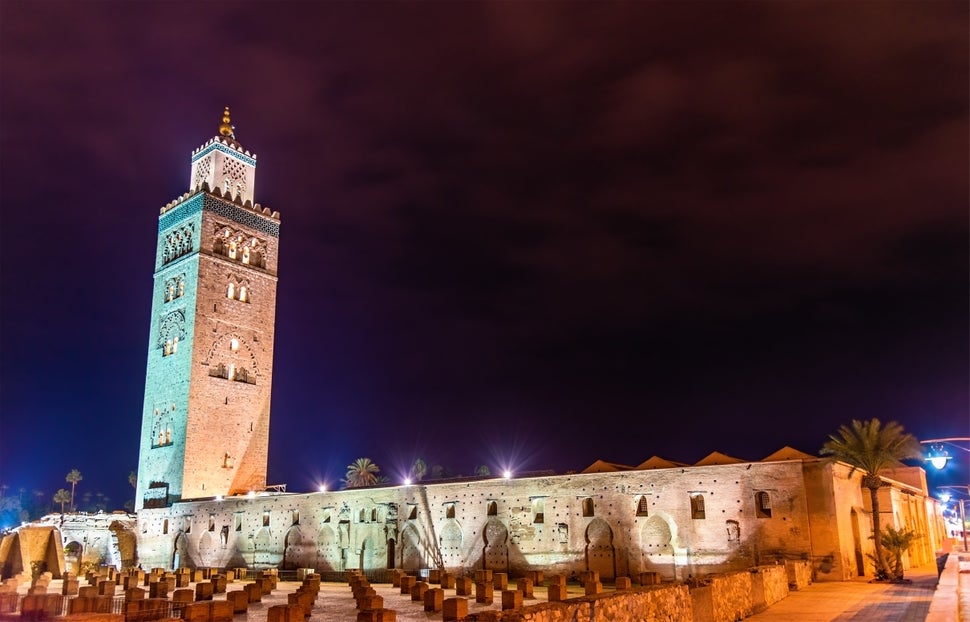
{"type": "Point", "coordinates": [859, 601]}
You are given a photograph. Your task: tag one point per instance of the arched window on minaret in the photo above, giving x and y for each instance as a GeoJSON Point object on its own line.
{"type": "Point", "coordinates": [169, 293]}
{"type": "Point", "coordinates": [232, 249]}
{"type": "Point", "coordinates": [231, 291]}
{"type": "Point", "coordinates": [232, 371]}
{"type": "Point", "coordinates": [181, 287]}
{"type": "Point", "coordinates": [243, 294]}
{"type": "Point", "coordinates": [245, 257]}
{"type": "Point", "coordinates": [175, 345]}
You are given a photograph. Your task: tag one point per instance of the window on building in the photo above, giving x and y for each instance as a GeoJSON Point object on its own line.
{"type": "Point", "coordinates": [413, 513]}
{"type": "Point", "coordinates": [642, 506]}
{"type": "Point", "coordinates": [243, 294]}
{"type": "Point", "coordinates": [234, 344]}
{"type": "Point", "coordinates": [697, 506]}
{"type": "Point", "coordinates": [237, 522]}
{"type": "Point", "coordinates": [733, 531]}
{"type": "Point", "coordinates": [373, 515]}
{"type": "Point", "coordinates": [165, 526]}
{"type": "Point", "coordinates": [188, 525]}
{"type": "Point", "coordinates": [762, 504]}
{"type": "Point", "coordinates": [231, 291]}
{"type": "Point", "coordinates": [296, 517]}
{"type": "Point", "coordinates": [175, 345]}
{"type": "Point", "coordinates": [265, 519]}
{"type": "Point", "coordinates": [212, 522]}
{"type": "Point", "coordinates": [362, 517]}
{"type": "Point", "coordinates": [588, 507]}
{"type": "Point", "coordinates": [538, 511]}
{"type": "Point", "coordinates": [492, 508]}
{"type": "Point", "coordinates": [450, 511]}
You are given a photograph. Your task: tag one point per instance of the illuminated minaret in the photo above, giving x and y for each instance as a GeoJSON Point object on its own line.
{"type": "Point", "coordinates": [205, 420]}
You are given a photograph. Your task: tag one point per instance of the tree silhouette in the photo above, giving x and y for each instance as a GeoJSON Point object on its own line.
{"type": "Point", "coordinates": [419, 469]}
{"type": "Point", "coordinates": [361, 472]}
{"type": "Point", "coordinates": [870, 447]}
{"type": "Point", "coordinates": [73, 478]}
{"type": "Point", "coordinates": [62, 496]}
{"type": "Point", "coordinates": [482, 470]}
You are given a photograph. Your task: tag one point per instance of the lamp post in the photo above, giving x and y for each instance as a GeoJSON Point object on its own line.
{"type": "Point", "coordinates": [938, 456]}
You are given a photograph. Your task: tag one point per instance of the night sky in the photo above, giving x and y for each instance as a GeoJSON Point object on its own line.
{"type": "Point", "coordinates": [526, 234]}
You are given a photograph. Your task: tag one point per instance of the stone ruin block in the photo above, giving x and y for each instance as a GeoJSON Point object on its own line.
{"type": "Point", "coordinates": [87, 591]}
{"type": "Point", "coordinates": [407, 582]}
{"type": "Point", "coordinates": [196, 612]}
{"type": "Point", "coordinates": [484, 592]}
{"type": "Point", "coordinates": [284, 613]}
{"type": "Point", "coordinates": [500, 581]}
{"type": "Point", "coordinates": [650, 578]}
{"type": "Point", "coordinates": [511, 599]}
{"type": "Point", "coordinates": [525, 586]}
{"type": "Point", "coordinates": [557, 592]}
{"type": "Point", "coordinates": [417, 592]}
{"type": "Point", "coordinates": [483, 576]}
{"type": "Point", "coordinates": [239, 600]}
{"type": "Point", "coordinates": [135, 593]}
{"type": "Point", "coordinates": [433, 599]}
{"type": "Point", "coordinates": [254, 592]}
{"type": "Point", "coordinates": [371, 602]}
{"type": "Point", "coordinates": [220, 611]}
{"type": "Point", "coordinates": [593, 588]}
{"type": "Point", "coordinates": [70, 587]}
{"type": "Point", "coordinates": [204, 590]}
{"type": "Point", "coordinates": [434, 576]}
{"type": "Point", "coordinates": [463, 586]}
{"type": "Point", "coordinates": [623, 583]}
{"type": "Point", "coordinates": [218, 584]}
{"type": "Point", "coordinates": [537, 576]}
{"type": "Point", "coordinates": [454, 609]}
{"type": "Point", "coordinates": [396, 577]}
{"type": "Point", "coordinates": [196, 575]}
{"type": "Point", "coordinates": [183, 595]}
{"type": "Point", "coordinates": [447, 581]}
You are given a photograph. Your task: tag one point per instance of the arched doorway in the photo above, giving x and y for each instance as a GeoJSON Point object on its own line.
{"type": "Point", "coordinates": [391, 552]}
{"type": "Point", "coordinates": [495, 550]}
{"type": "Point", "coordinates": [292, 549]}
{"type": "Point", "coordinates": [657, 551]}
{"type": "Point", "coordinates": [73, 552]}
{"type": "Point", "coordinates": [179, 551]}
{"type": "Point", "coordinates": [328, 552]}
{"type": "Point", "coordinates": [599, 549]}
{"type": "Point", "coordinates": [411, 558]}
{"type": "Point", "coordinates": [451, 544]}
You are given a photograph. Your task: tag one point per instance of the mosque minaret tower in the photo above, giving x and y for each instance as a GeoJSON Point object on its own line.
{"type": "Point", "coordinates": [205, 418]}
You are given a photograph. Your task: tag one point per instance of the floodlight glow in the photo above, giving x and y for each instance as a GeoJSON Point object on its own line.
{"type": "Point", "coordinates": [407, 481]}
{"type": "Point", "coordinates": [252, 494]}
{"type": "Point", "coordinates": [507, 474]}
{"type": "Point", "coordinates": [218, 497]}
{"type": "Point", "coordinates": [945, 497]}
{"type": "Point", "coordinates": [322, 488]}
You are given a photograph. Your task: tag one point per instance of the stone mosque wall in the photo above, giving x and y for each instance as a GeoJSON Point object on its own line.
{"type": "Point", "coordinates": [680, 522]}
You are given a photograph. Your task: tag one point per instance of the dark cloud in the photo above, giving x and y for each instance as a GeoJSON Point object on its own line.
{"type": "Point", "coordinates": [555, 231]}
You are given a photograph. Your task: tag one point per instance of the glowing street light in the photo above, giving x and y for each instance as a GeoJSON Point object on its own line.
{"type": "Point", "coordinates": [407, 481]}
{"type": "Point", "coordinates": [937, 455]}
{"type": "Point", "coordinates": [322, 488]}
{"type": "Point", "coordinates": [507, 474]}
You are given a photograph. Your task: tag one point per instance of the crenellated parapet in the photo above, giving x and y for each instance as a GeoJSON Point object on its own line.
{"type": "Point", "coordinates": [248, 205]}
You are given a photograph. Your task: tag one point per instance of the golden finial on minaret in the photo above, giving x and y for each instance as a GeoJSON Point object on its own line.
{"type": "Point", "coordinates": [226, 128]}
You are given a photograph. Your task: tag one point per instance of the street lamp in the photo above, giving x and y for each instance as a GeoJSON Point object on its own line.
{"type": "Point", "coordinates": [937, 455]}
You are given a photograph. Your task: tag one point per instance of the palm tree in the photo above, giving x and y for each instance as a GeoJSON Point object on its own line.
{"type": "Point", "coordinates": [896, 542]}
{"type": "Point", "coordinates": [62, 496]}
{"type": "Point", "coordinates": [73, 478]}
{"type": "Point", "coordinates": [419, 469]}
{"type": "Point", "coordinates": [132, 478]}
{"type": "Point", "coordinates": [870, 447]}
{"type": "Point", "coordinates": [361, 472]}
{"type": "Point", "coordinates": [482, 470]}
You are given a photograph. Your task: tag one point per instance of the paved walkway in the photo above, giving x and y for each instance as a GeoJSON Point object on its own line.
{"type": "Point", "coordinates": [858, 601]}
